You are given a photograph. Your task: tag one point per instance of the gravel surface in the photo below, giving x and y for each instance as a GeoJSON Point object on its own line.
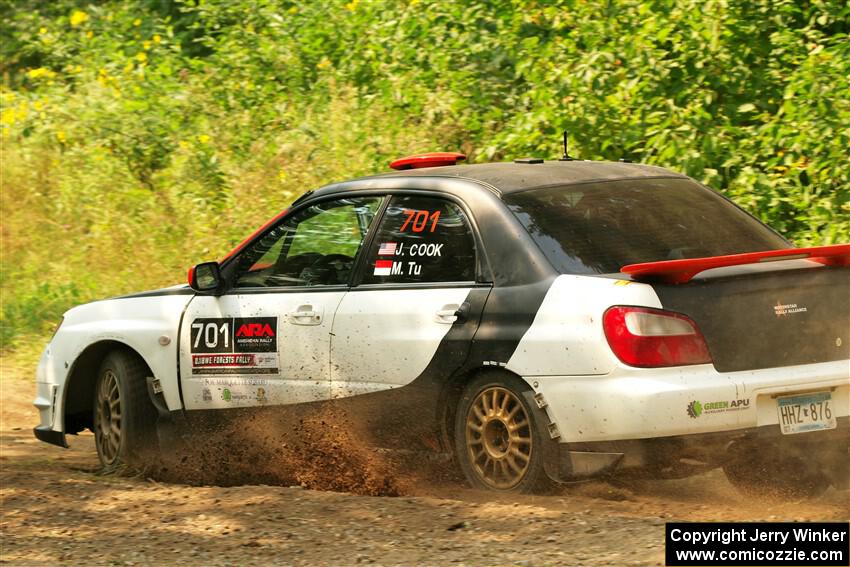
{"type": "Point", "coordinates": [57, 508]}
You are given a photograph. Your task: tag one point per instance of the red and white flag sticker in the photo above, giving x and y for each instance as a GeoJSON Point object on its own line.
{"type": "Point", "coordinates": [383, 267]}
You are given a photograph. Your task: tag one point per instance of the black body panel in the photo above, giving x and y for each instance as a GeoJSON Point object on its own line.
{"type": "Point", "coordinates": [768, 319]}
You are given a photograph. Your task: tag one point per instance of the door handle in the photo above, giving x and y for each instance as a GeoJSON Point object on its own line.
{"type": "Point", "coordinates": [305, 315]}
{"type": "Point", "coordinates": [451, 313]}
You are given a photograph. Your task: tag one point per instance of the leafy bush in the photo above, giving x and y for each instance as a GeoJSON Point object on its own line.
{"type": "Point", "coordinates": [141, 136]}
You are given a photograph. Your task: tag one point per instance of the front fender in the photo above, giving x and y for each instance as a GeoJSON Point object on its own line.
{"type": "Point", "coordinates": [148, 325]}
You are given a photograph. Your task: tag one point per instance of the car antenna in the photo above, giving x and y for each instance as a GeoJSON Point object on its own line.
{"type": "Point", "coordinates": [566, 156]}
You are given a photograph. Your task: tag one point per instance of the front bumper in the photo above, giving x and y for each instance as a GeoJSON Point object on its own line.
{"type": "Point", "coordinates": [46, 402]}
{"type": "Point", "coordinates": [50, 436]}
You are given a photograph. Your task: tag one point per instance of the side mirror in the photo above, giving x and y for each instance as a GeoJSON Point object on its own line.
{"type": "Point", "coordinates": [205, 278]}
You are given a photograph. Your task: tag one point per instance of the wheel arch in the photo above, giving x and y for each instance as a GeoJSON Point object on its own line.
{"type": "Point", "coordinates": [80, 383]}
{"type": "Point", "coordinates": [450, 397]}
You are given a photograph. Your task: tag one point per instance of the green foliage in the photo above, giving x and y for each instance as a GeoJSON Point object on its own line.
{"type": "Point", "coordinates": [141, 136]}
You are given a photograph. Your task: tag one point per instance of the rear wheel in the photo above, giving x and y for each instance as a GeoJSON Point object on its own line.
{"type": "Point", "coordinates": [498, 444]}
{"type": "Point", "coordinates": [124, 417]}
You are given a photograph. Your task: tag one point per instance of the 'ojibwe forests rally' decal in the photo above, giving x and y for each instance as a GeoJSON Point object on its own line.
{"type": "Point", "coordinates": [234, 345]}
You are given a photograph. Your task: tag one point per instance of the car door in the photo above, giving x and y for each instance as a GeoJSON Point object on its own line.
{"type": "Point", "coordinates": [411, 317]}
{"type": "Point", "coordinates": [266, 340]}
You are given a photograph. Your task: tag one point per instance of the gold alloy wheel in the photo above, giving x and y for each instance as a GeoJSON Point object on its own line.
{"type": "Point", "coordinates": [107, 429]}
{"type": "Point", "coordinates": [498, 438]}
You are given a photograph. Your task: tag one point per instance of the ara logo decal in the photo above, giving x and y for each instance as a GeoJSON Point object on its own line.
{"type": "Point", "coordinates": [255, 330]}
{"type": "Point", "coordinates": [234, 345]}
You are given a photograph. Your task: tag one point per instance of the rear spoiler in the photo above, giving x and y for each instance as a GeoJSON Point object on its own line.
{"type": "Point", "coordinates": [682, 271]}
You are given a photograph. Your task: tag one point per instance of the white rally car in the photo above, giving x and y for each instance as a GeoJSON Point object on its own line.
{"type": "Point", "coordinates": [540, 320]}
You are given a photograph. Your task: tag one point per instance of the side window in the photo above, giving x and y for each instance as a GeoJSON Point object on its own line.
{"type": "Point", "coordinates": [314, 247]}
{"type": "Point", "coordinates": [421, 240]}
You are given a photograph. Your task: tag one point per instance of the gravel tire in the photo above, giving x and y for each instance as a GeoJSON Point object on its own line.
{"type": "Point", "coordinates": [124, 417]}
{"type": "Point", "coordinates": [499, 442]}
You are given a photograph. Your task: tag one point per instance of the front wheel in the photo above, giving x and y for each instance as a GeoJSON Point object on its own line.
{"type": "Point", "coordinates": [498, 444]}
{"type": "Point", "coordinates": [124, 417]}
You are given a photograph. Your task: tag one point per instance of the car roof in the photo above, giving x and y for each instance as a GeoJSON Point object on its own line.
{"type": "Point", "coordinates": [511, 177]}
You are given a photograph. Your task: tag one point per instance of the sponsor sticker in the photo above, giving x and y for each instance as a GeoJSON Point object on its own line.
{"type": "Point", "coordinates": [236, 382]}
{"type": "Point", "coordinates": [697, 408]}
{"type": "Point", "coordinates": [234, 345]}
{"type": "Point", "coordinates": [780, 309]}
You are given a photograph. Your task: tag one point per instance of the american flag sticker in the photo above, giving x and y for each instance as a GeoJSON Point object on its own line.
{"type": "Point", "coordinates": [383, 267]}
{"type": "Point", "coordinates": [387, 249]}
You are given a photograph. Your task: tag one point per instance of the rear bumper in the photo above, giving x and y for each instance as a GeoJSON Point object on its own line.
{"type": "Point", "coordinates": [673, 422]}
{"type": "Point", "coordinates": [683, 455]}
{"type": "Point", "coordinates": [638, 403]}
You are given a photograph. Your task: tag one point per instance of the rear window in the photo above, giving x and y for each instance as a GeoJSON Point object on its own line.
{"type": "Point", "coordinates": [598, 228]}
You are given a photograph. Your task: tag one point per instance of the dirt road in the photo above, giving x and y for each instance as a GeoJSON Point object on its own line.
{"type": "Point", "coordinates": [56, 508]}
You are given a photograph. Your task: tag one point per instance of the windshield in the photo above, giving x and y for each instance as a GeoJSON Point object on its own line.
{"type": "Point", "coordinates": [597, 228]}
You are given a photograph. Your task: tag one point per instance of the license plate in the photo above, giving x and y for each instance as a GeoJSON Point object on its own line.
{"type": "Point", "coordinates": [805, 412]}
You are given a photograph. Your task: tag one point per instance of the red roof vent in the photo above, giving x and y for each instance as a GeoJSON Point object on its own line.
{"type": "Point", "coordinates": [434, 159]}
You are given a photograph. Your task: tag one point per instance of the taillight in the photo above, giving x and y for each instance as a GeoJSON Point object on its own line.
{"type": "Point", "coordinates": [651, 338]}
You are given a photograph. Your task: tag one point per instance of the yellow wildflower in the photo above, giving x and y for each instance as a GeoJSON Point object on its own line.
{"type": "Point", "coordinates": [89, 34]}
{"type": "Point", "coordinates": [324, 63]}
{"type": "Point", "coordinates": [157, 38]}
{"type": "Point", "coordinates": [351, 6]}
{"type": "Point", "coordinates": [42, 31]}
{"type": "Point", "coordinates": [146, 45]}
{"type": "Point", "coordinates": [78, 18]}
{"type": "Point", "coordinates": [141, 57]}
{"type": "Point", "coordinates": [137, 22]}
{"type": "Point", "coordinates": [203, 138]}
{"type": "Point", "coordinates": [183, 144]}
{"type": "Point", "coordinates": [281, 175]}
{"type": "Point", "coordinates": [40, 72]}
{"type": "Point", "coordinates": [293, 10]}
{"type": "Point", "coordinates": [7, 116]}
{"type": "Point", "coordinates": [60, 135]}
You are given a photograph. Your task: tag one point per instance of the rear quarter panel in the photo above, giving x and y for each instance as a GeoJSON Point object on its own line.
{"type": "Point", "coordinates": [566, 337]}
